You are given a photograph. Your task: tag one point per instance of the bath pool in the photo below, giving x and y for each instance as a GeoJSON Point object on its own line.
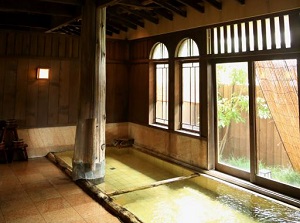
{"type": "Point", "coordinates": [158, 191]}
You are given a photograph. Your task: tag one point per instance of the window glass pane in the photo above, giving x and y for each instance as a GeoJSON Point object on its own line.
{"type": "Point", "coordinates": [188, 48]}
{"type": "Point", "coordinates": [233, 115]}
{"type": "Point", "coordinates": [190, 96]}
{"type": "Point", "coordinates": [162, 96]}
{"type": "Point", "coordinates": [287, 31]}
{"type": "Point", "coordinates": [277, 33]}
{"type": "Point", "coordinates": [160, 52]}
{"type": "Point", "coordinates": [277, 121]}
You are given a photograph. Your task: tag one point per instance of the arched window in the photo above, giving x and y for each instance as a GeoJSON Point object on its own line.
{"type": "Point", "coordinates": [189, 85]}
{"type": "Point", "coordinates": [188, 48]}
{"type": "Point", "coordinates": [159, 51]}
{"type": "Point", "coordinates": [159, 55]}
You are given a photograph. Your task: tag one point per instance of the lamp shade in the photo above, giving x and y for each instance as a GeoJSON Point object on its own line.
{"type": "Point", "coordinates": [42, 73]}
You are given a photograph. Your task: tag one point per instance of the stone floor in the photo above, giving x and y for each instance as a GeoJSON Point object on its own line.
{"type": "Point", "coordinates": [38, 191]}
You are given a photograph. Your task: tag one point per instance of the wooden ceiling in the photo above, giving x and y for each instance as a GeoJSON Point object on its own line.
{"type": "Point", "coordinates": [64, 16]}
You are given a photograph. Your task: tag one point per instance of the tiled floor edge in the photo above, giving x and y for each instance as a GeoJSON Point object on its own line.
{"type": "Point", "coordinates": [123, 214]}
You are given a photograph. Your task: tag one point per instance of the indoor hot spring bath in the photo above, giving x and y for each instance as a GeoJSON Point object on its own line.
{"type": "Point", "coordinates": [152, 190]}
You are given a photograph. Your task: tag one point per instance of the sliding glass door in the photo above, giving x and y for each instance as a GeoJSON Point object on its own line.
{"type": "Point", "coordinates": [277, 121]}
{"type": "Point", "coordinates": [233, 116]}
{"type": "Point", "coordinates": [269, 148]}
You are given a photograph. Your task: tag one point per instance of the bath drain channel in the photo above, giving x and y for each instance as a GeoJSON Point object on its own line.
{"type": "Point", "coordinates": [155, 184]}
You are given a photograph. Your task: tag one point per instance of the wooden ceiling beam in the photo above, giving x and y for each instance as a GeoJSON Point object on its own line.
{"type": "Point", "coordinates": [18, 6]}
{"type": "Point", "coordinates": [171, 7]}
{"type": "Point", "coordinates": [122, 21]}
{"type": "Point", "coordinates": [106, 3]}
{"type": "Point", "coordinates": [215, 3]}
{"type": "Point", "coordinates": [242, 1]}
{"type": "Point", "coordinates": [117, 25]}
{"type": "Point", "coordinates": [112, 29]}
{"type": "Point", "coordinates": [143, 14]}
{"type": "Point", "coordinates": [25, 21]}
{"type": "Point", "coordinates": [60, 25]}
{"type": "Point", "coordinates": [165, 13]}
{"type": "Point", "coordinates": [193, 4]}
{"type": "Point", "coordinates": [65, 2]}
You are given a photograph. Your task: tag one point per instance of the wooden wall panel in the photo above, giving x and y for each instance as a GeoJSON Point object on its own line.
{"type": "Point", "coordinates": [117, 92]}
{"type": "Point", "coordinates": [2, 69]}
{"type": "Point", "coordinates": [32, 95]}
{"type": "Point", "coordinates": [139, 93]}
{"type": "Point", "coordinates": [39, 103]}
{"type": "Point", "coordinates": [61, 46]}
{"type": "Point", "coordinates": [10, 44]}
{"type": "Point", "coordinates": [43, 92]}
{"type": "Point", "coordinates": [55, 46]}
{"type": "Point", "coordinates": [21, 89]}
{"type": "Point", "coordinates": [54, 102]}
{"type": "Point", "coordinates": [53, 93]}
{"type": "Point", "coordinates": [74, 81]}
{"type": "Point", "coordinates": [10, 87]}
{"type": "Point", "coordinates": [3, 43]}
{"type": "Point", "coordinates": [48, 46]}
{"type": "Point", "coordinates": [33, 44]}
{"type": "Point", "coordinates": [26, 45]}
{"type": "Point", "coordinates": [63, 110]}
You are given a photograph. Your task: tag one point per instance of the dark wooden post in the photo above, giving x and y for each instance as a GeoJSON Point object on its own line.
{"type": "Point", "coordinates": [89, 153]}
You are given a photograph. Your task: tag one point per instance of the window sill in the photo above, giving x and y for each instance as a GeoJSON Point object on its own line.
{"type": "Point", "coordinates": [188, 132]}
{"type": "Point", "coordinates": [159, 126]}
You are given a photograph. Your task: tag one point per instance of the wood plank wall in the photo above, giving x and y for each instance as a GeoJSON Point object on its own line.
{"type": "Point", "coordinates": [117, 81]}
{"type": "Point", "coordinates": [53, 102]}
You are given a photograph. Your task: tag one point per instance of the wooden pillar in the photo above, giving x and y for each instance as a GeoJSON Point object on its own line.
{"type": "Point", "coordinates": [89, 152]}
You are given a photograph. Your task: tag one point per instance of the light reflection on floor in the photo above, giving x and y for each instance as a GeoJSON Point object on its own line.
{"type": "Point", "coordinates": [183, 201]}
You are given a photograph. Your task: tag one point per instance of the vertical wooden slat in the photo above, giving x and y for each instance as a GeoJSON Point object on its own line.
{"type": "Point", "coordinates": [2, 75]}
{"type": "Point", "coordinates": [272, 30]}
{"type": "Point", "coordinates": [247, 36]}
{"type": "Point", "coordinates": [55, 46]}
{"type": "Point", "coordinates": [226, 36]}
{"type": "Point", "coordinates": [48, 46]}
{"type": "Point", "coordinates": [21, 90]}
{"type": "Point", "coordinates": [69, 47]}
{"type": "Point", "coordinates": [33, 45]}
{"type": "Point", "coordinates": [255, 35]}
{"type": "Point", "coordinates": [295, 30]}
{"type": "Point", "coordinates": [240, 37]}
{"type": "Point", "coordinates": [63, 110]}
{"type": "Point", "coordinates": [18, 44]}
{"type": "Point", "coordinates": [10, 50]}
{"type": "Point", "coordinates": [41, 45]}
{"type": "Point", "coordinates": [74, 79]}
{"type": "Point", "coordinates": [264, 34]}
{"type": "Point", "coordinates": [32, 95]}
{"type": "Point", "coordinates": [3, 43]}
{"type": "Point", "coordinates": [282, 36]}
{"type": "Point", "coordinates": [75, 50]}
{"type": "Point", "coordinates": [232, 37]}
{"type": "Point", "coordinates": [53, 93]}
{"type": "Point", "coordinates": [9, 92]}
{"type": "Point", "coordinates": [26, 45]}
{"type": "Point", "coordinates": [62, 46]}
{"type": "Point", "coordinates": [43, 92]}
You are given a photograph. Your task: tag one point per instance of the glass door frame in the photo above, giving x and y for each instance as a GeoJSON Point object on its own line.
{"type": "Point", "coordinates": [278, 189]}
{"type": "Point", "coordinates": [219, 166]}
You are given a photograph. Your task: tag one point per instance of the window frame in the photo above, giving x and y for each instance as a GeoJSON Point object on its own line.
{"type": "Point", "coordinates": [155, 63]}
{"type": "Point", "coordinates": [152, 83]}
{"type": "Point", "coordinates": [179, 61]}
{"type": "Point", "coordinates": [192, 130]}
{"type": "Point", "coordinates": [252, 176]}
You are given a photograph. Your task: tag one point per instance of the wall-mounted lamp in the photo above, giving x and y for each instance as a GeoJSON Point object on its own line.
{"type": "Point", "coordinates": [42, 73]}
